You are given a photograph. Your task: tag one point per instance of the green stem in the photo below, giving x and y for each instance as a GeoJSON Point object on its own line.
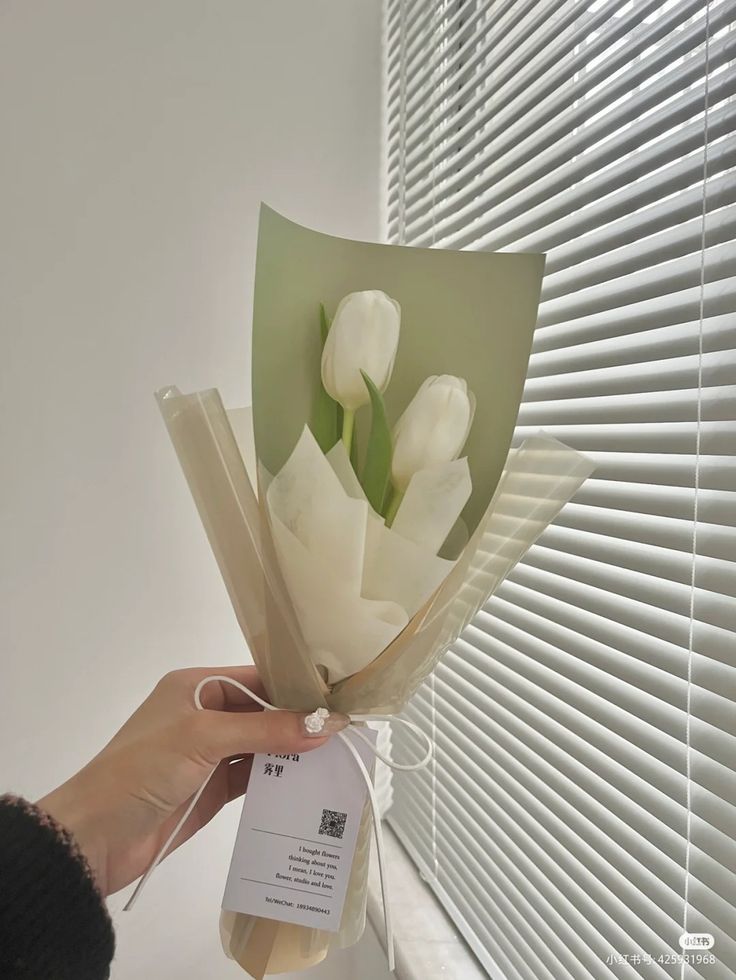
{"type": "Point", "coordinates": [348, 421]}
{"type": "Point", "coordinates": [393, 505]}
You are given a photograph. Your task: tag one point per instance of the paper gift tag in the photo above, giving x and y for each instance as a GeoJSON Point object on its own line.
{"type": "Point", "coordinates": [297, 835]}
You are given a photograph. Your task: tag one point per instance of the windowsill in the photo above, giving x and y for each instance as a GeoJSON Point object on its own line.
{"type": "Point", "coordinates": [428, 946]}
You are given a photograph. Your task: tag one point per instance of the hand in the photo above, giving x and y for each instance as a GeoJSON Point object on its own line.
{"type": "Point", "coordinates": [124, 804]}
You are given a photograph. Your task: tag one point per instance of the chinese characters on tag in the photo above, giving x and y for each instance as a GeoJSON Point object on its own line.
{"type": "Point", "coordinates": [277, 768]}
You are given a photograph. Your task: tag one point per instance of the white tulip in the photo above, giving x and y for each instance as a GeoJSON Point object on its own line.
{"type": "Point", "coordinates": [363, 337]}
{"type": "Point", "coordinates": [433, 428]}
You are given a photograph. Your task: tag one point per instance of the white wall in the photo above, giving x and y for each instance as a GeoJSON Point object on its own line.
{"type": "Point", "coordinates": [138, 138]}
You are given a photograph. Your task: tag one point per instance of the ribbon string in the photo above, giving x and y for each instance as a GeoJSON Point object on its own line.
{"type": "Point", "coordinates": [347, 741]}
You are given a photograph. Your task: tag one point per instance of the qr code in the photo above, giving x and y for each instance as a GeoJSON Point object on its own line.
{"type": "Point", "coordinates": [333, 823]}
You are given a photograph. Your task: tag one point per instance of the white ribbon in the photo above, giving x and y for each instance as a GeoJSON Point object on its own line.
{"type": "Point", "coordinates": [380, 847]}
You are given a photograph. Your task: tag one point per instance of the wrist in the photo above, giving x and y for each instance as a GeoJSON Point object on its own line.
{"type": "Point", "coordinates": [74, 810]}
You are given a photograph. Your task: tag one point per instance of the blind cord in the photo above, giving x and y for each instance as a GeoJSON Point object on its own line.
{"type": "Point", "coordinates": [433, 693]}
{"type": "Point", "coordinates": [698, 435]}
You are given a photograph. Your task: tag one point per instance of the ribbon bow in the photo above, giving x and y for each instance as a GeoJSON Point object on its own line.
{"type": "Point", "coordinates": [345, 737]}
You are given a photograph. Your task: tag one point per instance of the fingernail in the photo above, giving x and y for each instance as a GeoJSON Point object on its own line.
{"type": "Point", "coordinates": [322, 722]}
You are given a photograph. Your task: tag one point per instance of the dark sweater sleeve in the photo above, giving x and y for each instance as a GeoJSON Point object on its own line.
{"type": "Point", "coordinates": [53, 921]}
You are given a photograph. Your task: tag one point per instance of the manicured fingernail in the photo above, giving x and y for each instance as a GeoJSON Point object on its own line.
{"type": "Point", "coordinates": [323, 722]}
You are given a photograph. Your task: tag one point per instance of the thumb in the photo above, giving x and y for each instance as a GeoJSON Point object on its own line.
{"type": "Point", "coordinates": [217, 735]}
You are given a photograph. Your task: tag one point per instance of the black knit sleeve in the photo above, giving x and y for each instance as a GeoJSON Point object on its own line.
{"type": "Point", "coordinates": [53, 922]}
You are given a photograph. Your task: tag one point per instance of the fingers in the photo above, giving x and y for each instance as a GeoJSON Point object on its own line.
{"type": "Point", "coordinates": [215, 735]}
{"type": "Point", "coordinates": [217, 696]}
{"type": "Point", "coordinates": [221, 696]}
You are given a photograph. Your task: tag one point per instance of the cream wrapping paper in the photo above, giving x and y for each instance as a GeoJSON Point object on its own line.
{"type": "Point", "coordinates": [470, 314]}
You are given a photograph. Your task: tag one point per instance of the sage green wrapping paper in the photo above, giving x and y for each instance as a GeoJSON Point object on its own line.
{"type": "Point", "coordinates": [469, 314]}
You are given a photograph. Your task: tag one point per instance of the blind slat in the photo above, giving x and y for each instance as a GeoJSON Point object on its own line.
{"type": "Point", "coordinates": [645, 347]}
{"type": "Point", "coordinates": [718, 403]}
{"type": "Point", "coordinates": [671, 375]}
{"type": "Point", "coordinates": [666, 469]}
{"type": "Point", "coordinates": [645, 500]}
{"type": "Point", "coordinates": [674, 534]}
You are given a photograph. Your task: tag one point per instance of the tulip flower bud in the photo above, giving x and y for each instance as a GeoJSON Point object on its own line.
{"type": "Point", "coordinates": [433, 428]}
{"type": "Point", "coordinates": [363, 337]}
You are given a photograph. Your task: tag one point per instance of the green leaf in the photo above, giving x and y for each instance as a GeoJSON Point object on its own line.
{"type": "Point", "coordinates": [324, 323]}
{"type": "Point", "coordinates": [353, 444]}
{"type": "Point", "coordinates": [377, 468]}
{"type": "Point", "coordinates": [326, 422]}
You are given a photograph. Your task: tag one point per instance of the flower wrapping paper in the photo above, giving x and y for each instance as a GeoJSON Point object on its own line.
{"type": "Point", "coordinates": [469, 314]}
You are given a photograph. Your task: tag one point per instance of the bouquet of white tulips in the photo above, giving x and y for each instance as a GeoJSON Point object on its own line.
{"type": "Point", "coordinates": [370, 502]}
{"type": "Point", "coordinates": [358, 545]}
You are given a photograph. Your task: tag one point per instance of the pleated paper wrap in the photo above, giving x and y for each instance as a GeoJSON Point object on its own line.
{"type": "Point", "coordinates": [468, 314]}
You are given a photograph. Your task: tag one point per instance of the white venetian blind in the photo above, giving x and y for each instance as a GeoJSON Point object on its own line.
{"type": "Point", "coordinates": [582, 809]}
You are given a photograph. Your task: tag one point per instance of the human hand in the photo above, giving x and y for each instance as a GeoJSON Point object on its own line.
{"type": "Point", "coordinates": [122, 806]}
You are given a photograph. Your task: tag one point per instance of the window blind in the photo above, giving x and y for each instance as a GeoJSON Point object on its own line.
{"type": "Point", "coordinates": [581, 811]}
